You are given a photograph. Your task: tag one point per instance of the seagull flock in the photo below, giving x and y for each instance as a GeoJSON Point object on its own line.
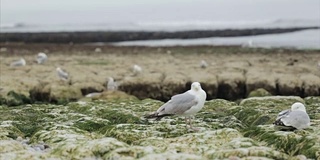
{"type": "Point", "coordinates": [192, 101]}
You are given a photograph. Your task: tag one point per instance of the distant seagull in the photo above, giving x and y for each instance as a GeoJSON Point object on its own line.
{"type": "Point", "coordinates": [248, 44]}
{"type": "Point", "coordinates": [318, 65]}
{"type": "Point", "coordinates": [98, 50]}
{"type": "Point", "coordinates": [294, 118]}
{"type": "Point", "coordinates": [185, 104]}
{"type": "Point", "coordinates": [62, 74]}
{"type": "Point", "coordinates": [203, 64]}
{"type": "Point", "coordinates": [41, 58]}
{"type": "Point", "coordinates": [20, 62]}
{"type": "Point", "coordinates": [136, 69]}
{"type": "Point", "coordinates": [112, 85]}
{"type": "Point", "coordinates": [92, 95]}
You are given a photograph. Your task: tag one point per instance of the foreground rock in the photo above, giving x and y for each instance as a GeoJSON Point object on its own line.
{"type": "Point", "coordinates": [115, 129]}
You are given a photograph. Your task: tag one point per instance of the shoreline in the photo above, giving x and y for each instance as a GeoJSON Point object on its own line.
{"type": "Point", "coordinates": [119, 36]}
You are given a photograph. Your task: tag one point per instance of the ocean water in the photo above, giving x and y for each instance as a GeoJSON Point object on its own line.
{"type": "Point", "coordinates": [307, 39]}
{"type": "Point", "coordinates": [156, 15]}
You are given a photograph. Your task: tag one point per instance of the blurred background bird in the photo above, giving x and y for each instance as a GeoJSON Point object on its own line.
{"type": "Point", "coordinates": [41, 58]}
{"type": "Point", "coordinates": [17, 63]}
{"type": "Point", "coordinates": [62, 74]}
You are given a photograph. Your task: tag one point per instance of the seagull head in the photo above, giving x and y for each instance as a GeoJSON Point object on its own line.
{"type": "Point", "coordinates": [298, 106]}
{"type": "Point", "coordinates": [195, 86]}
{"type": "Point", "coordinates": [110, 79]}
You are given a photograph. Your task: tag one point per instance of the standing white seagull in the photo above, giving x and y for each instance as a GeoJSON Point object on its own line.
{"type": "Point", "coordinates": [203, 64]}
{"type": "Point", "coordinates": [41, 58]}
{"type": "Point", "coordinates": [294, 118]}
{"type": "Point", "coordinates": [185, 104]}
{"type": "Point", "coordinates": [112, 85]}
{"type": "Point", "coordinates": [62, 74]}
{"type": "Point", "coordinates": [17, 63]}
{"type": "Point", "coordinates": [136, 69]}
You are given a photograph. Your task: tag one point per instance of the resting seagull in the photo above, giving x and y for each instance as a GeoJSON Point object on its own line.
{"type": "Point", "coordinates": [17, 63]}
{"type": "Point", "coordinates": [41, 58]}
{"type": "Point", "coordinates": [294, 118]}
{"type": "Point", "coordinates": [185, 104]}
{"type": "Point", "coordinates": [62, 74]}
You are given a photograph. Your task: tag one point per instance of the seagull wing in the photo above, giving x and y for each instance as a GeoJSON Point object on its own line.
{"type": "Point", "coordinates": [178, 104]}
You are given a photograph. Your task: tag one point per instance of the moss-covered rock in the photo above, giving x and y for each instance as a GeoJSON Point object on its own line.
{"type": "Point", "coordinates": [291, 143]}
{"type": "Point", "coordinates": [15, 99]}
{"type": "Point", "coordinates": [116, 129]}
{"type": "Point", "coordinates": [86, 148]}
{"type": "Point", "coordinates": [260, 92]}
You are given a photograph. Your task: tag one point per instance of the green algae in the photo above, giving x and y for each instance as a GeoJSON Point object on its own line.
{"type": "Point", "coordinates": [116, 130]}
{"type": "Point", "coordinates": [259, 93]}
{"type": "Point", "coordinates": [14, 99]}
{"type": "Point", "coordinates": [291, 143]}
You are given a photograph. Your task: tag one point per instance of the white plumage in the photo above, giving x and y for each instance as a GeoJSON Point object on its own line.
{"type": "Point", "coordinates": [62, 74]}
{"type": "Point", "coordinates": [112, 85]}
{"type": "Point", "coordinates": [136, 69]}
{"type": "Point", "coordinates": [41, 58]}
{"type": "Point", "coordinates": [203, 64]}
{"type": "Point", "coordinates": [185, 104]}
{"type": "Point", "coordinates": [17, 63]}
{"type": "Point", "coordinates": [294, 118]}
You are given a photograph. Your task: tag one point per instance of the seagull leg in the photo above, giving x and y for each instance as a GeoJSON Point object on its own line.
{"type": "Point", "coordinates": [186, 120]}
{"type": "Point", "coordinates": [195, 129]}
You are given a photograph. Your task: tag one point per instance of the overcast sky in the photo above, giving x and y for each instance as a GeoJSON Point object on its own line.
{"type": "Point", "coordinates": [98, 11]}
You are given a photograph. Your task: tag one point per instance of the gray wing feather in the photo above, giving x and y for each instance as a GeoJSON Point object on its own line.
{"type": "Point", "coordinates": [283, 113]}
{"type": "Point", "coordinates": [178, 104]}
{"type": "Point", "coordinates": [297, 119]}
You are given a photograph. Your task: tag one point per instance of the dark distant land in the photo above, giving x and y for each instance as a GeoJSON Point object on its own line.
{"type": "Point", "coordinates": [118, 36]}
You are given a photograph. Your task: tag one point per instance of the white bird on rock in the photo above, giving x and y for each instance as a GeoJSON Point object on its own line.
{"type": "Point", "coordinates": [17, 63]}
{"type": "Point", "coordinates": [112, 85]}
{"type": "Point", "coordinates": [41, 58]}
{"type": "Point", "coordinates": [185, 104]}
{"type": "Point", "coordinates": [294, 118]}
{"type": "Point", "coordinates": [203, 64]}
{"type": "Point", "coordinates": [136, 69]}
{"type": "Point", "coordinates": [62, 74]}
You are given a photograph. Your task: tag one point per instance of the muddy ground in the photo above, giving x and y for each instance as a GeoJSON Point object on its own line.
{"type": "Point", "coordinates": [232, 72]}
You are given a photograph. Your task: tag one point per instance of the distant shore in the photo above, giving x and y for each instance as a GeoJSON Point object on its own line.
{"type": "Point", "coordinates": [118, 36]}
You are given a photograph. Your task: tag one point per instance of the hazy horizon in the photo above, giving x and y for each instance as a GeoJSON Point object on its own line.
{"type": "Point", "coordinates": [57, 12]}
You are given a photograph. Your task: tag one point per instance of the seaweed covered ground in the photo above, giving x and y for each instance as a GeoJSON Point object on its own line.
{"type": "Point", "coordinates": [115, 129]}
{"type": "Point", "coordinates": [42, 117]}
{"type": "Point", "coordinates": [232, 72]}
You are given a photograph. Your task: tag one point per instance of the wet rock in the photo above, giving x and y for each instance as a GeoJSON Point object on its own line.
{"type": "Point", "coordinates": [260, 92]}
{"type": "Point", "coordinates": [310, 85]}
{"type": "Point", "coordinates": [231, 86]}
{"type": "Point", "coordinates": [289, 85]}
{"type": "Point", "coordinates": [55, 92]}
{"type": "Point", "coordinates": [15, 99]}
{"type": "Point", "coordinates": [89, 87]}
{"type": "Point", "coordinates": [84, 148]}
{"type": "Point", "coordinates": [256, 78]}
